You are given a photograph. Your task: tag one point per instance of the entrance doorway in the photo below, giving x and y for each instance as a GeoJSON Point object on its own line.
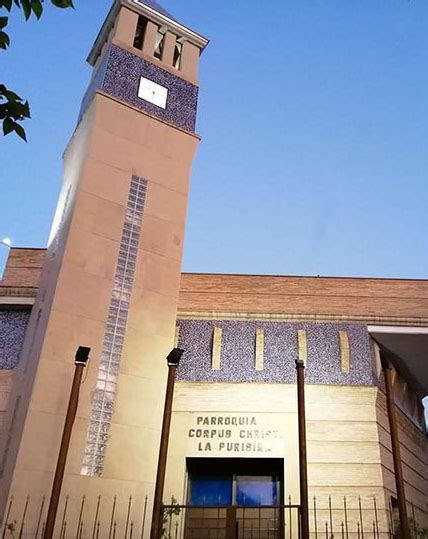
{"type": "Point", "coordinates": [235, 498]}
{"type": "Point", "coordinates": [241, 482]}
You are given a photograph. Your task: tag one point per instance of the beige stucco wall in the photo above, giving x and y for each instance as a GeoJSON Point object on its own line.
{"type": "Point", "coordinates": [6, 377]}
{"type": "Point", "coordinates": [414, 455]}
{"type": "Point", "coordinates": [343, 435]}
{"type": "Point", "coordinates": [112, 143]}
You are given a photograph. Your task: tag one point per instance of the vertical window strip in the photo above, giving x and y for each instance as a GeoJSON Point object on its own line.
{"type": "Point", "coordinates": [111, 355]}
{"type": "Point", "coordinates": [216, 351]}
{"type": "Point", "coordinates": [140, 32]}
{"type": "Point", "coordinates": [160, 41]}
{"type": "Point", "coordinates": [178, 50]}
{"type": "Point", "coordinates": [302, 345]}
{"type": "Point", "coordinates": [345, 353]}
{"type": "Point", "coordinates": [260, 346]}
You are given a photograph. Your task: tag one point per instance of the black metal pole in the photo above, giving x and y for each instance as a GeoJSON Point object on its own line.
{"type": "Point", "coordinates": [173, 360]}
{"type": "Point", "coordinates": [80, 362]}
{"type": "Point", "coordinates": [303, 465]}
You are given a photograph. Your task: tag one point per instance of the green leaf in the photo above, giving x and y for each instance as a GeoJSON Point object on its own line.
{"type": "Point", "coordinates": [20, 131]}
{"type": "Point", "coordinates": [8, 126]}
{"type": "Point", "coordinates": [37, 8]}
{"type": "Point", "coordinates": [4, 40]}
{"type": "Point", "coordinates": [26, 110]}
{"type": "Point", "coordinates": [11, 96]}
{"type": "Point", "coordinates": [7, 4]}
{"type": "Point", "coordinates": [63, 3]}
{"type": "Point", "coordinates": [26, 6]}
{"type": "Point", "coordinates": [12, 108]}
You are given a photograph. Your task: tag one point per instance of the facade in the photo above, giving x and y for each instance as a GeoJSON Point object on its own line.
{"type": "Point", "coordinates": [111, 280]}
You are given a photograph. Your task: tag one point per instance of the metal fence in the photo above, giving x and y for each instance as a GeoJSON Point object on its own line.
{"type": "Point", "coordinates": [330, 517]}
{"type": "Point", "coordinates": [111, 518]}
{"type": "Point", "coordinates": [114, 517]}
{"type": "Point", "coordinates": [237, 522]}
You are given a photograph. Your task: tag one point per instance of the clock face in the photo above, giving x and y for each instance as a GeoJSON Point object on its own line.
{"type": "Point", "coordinates": [152, 92]}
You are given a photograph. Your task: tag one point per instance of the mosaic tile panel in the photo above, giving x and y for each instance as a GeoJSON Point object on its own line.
{"type": "Point", "coordinates": [120, 74]}
{"type": "Point", "coordinates": [111, 355]}
{"type": "Point", "coordinates": [281, 348]}
{"type": "Point", "coordinates": [13, 325]}
{"type": "Point", "coordinates": [96, 83]}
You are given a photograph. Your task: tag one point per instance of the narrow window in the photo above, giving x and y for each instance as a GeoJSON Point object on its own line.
{"type": "Point", "coordinates": [260, 348]}
{"type": "Point", "coordinates": [140, 32]}
{"type": "Point", "coordinates": [302, 345]}
{"type": "Point", "coordinates": [216, 351]}
{"type": "Point", "coordinates": [159, 45]}
{"type": "Point", "coordinates": [345, 352]}
{"type": "Point", "coordinates": [178, 49]}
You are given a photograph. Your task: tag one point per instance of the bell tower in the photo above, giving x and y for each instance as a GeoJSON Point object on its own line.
{"type": "Point", "coordinates": [112, 273]}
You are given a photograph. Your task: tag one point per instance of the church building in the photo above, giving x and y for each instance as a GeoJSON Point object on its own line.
{"type": "Point", "coordinates": [110, 280]}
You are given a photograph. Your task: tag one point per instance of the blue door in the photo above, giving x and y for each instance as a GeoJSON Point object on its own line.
{"type": "Point", "coordinates": [235, 499]}
{"type": "Point", "coordinates": [242, 482]}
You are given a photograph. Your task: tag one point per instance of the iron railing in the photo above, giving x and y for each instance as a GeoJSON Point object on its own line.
{"type": "Point", "coordinates": [230, 522]}
{"type": "Point", "coordinates": [355, 517]}
{"type": "Point", "coordinates": [105, 518]}
{"type": "Point", "coordinates": [114, 517]}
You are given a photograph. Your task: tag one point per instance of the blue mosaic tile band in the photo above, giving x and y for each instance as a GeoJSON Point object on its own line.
{"type": "Point", "coordinates": [280, 352]}
{"type": "Point", "coordinates": [111, 355]}
{"type": "Point", "coordinates": [96, 83]}
{"type": "Point", "coordinates": [119, 76]}
{"type": "Point", "coordinates": [12, 333]}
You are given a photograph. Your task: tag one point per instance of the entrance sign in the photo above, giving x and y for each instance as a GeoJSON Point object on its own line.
{"type": "Point", "coordinates": [227, 434]}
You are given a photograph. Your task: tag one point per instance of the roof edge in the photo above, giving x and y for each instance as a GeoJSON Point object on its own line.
{"type": "Point", "coordinates": [282, 276]}
{"type": "Point", "coordinates": [163, 20]}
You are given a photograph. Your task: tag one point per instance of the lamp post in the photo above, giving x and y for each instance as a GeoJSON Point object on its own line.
{"type": "Point", "coordinates": [7, 242]}
{"type": "Point", "coordinates": [173, 360]}
{"type": "Point", "coordinates": [395, 444]}
{"type": "Point", "coordinates": [80, 362]}
{"type": "Point", "coordinates": [303, 465]}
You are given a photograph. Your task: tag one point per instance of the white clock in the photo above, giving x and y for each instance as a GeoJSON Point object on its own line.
{"type": "Point", "coordinates": [153, 93]}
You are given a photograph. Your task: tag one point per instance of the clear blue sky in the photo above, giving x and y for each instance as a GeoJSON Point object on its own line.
{"type": "Point", "coordinates": [314, 117]}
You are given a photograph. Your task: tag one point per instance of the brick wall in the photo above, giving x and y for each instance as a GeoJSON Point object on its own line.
{"type": "Point", "coordinates": [304, 295]}
{"type": "Point", "coordinates": [23, 268]}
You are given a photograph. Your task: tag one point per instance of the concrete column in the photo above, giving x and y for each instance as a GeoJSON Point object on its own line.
{"type": "Point", "coordinates": [190, 60]}
{"type": "Point", "coordinates": [126, 26]}
{"type": "Point", "coordinates": [168, 48]}
{"type": "Point", "coordinates": [149, 42]}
